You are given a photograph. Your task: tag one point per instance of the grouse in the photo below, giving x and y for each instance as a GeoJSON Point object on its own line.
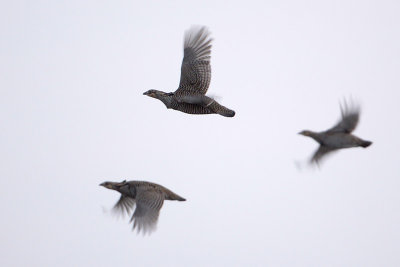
{"type": "Point", "coordinates": [148, 197]}
{"type": "Point", "coordinates": [339, 136]}
{"type": "Point", "coordinates": [190, 97]}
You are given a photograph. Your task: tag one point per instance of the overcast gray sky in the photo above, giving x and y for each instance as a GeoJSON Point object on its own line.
{"type": "Point", "coordinates": [72, 113]}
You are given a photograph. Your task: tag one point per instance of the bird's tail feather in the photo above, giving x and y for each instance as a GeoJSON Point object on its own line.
{"type": "Point", "coordinates": [172, 196]}
{"type": "Point", "coordinates": [227, 113]}
{"type": "Point", "coordinates": [221, 110]}
{"type": "Point", "coordinates": [365, 143]}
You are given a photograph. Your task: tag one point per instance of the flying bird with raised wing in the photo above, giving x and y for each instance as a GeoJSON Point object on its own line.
{"type": "Point", "coordinates": [340, 136]}
{"type": "Point", "coordinates": [190, 97]}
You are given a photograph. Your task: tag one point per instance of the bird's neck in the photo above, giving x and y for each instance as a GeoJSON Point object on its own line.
{"type": "Point", "coordinates": [127, 190]}
{"type": "Point", "coordinates": [315, 136]}
{"type": "Point", "coordinates": [166, 99]}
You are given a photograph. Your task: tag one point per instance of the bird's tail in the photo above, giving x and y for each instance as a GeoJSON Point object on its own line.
{"type": "Point", "coordinates": [221, 110]}
{"type": "Point", "coordinates": [172, 196]}
{"type": "Point", "coordinates": [227, 113]}
{"type": "Point", "coordinates": [365, 143]}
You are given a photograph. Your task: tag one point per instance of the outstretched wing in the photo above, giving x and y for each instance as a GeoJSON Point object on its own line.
{"type": "Point", "coordinates": [148, 205]}
{"type": "Point", "coordinates": [124, 205]}
{"type": "Point", "coordinates": [321, 152]}
{"type": "Point", "coordinates": [349, 121]}
{"type": "Point", "coordinates": [196, 68]}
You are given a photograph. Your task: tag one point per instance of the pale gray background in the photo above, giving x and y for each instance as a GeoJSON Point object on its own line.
{"type": "Point", "coordinates": [72, 114]}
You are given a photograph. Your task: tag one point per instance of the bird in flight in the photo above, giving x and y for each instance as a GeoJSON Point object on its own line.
{"type": "Point", "coordinates": [148, 198]}
{"type": "Point", "coordinates": [340, 136]}
{"type": "Point", "coordinates": [190, 97]}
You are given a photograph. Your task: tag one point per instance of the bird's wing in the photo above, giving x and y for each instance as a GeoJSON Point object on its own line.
{"type": "Point", "coordinates": [349, 121]}
{"type": "Point", "coordinates": [196, 68]}
{"type": "Point", "coordinates": [321, 152]}
{"type": "Point", "coordinates": [148, 205]}
{"type": "Point", "coordinates": [202, 100]}
{"type": "Point", "coordinates": [124, 205]}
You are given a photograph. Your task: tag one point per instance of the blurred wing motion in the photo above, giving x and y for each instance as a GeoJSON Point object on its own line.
{"type": "Point", "coordinates": [196, 69]}
{"type": "Point", "coordinates": [349, 121]}
{"type": "Point", "coordinates": [124, 205]}
{"type": "Point", "coordinates": [148, 205]}
{"type": "Point", "coordinates": [321, 152]}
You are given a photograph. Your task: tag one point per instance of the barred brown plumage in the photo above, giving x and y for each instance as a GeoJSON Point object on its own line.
{"type": "Point", "coordinates": [148, 197]}
{"type": "Point", "coordinates": [195, 78]}
{"type": "Point", "coordinates": [339, 136]}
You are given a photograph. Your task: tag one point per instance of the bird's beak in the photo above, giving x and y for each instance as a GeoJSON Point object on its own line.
{"type": "Point", "coordinates": [109, 186]}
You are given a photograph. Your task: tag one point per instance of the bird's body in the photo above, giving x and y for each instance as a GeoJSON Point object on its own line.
{"type": "Point", "coordinates": [339, 136]}
{"type": "Point", "coordinates": [190, 97]}
{"type": "Point", "coordinates": [197, 104]}
{"type": "Point", "coordinates": [338, 140]}
{"type": "Point", "coordinates": [148, 197]}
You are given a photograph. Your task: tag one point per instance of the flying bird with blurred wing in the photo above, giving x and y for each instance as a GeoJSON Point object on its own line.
{"type": "Point", "coordinates": [340, 136]}
{"type": "Point", "coordinates": [148, 198]}
{"type": "Point", "coordinates": [190, 97]}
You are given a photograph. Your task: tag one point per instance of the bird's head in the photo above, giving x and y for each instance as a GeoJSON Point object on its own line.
{"type": "Point", "coordinates": [306, 133]}
{"type": "Point", "coordinates": [155, 93]}
{"type": "Point", "coordinates": [113, 185]}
